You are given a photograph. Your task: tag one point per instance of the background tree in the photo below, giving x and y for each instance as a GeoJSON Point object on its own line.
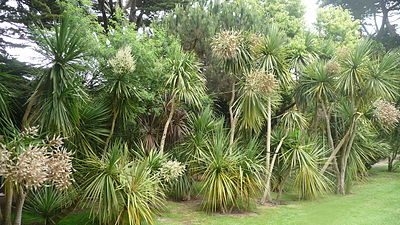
{"type": "Point", "coordinates": [378, 18]}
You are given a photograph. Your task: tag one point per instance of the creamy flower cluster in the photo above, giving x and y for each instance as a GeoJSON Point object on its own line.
{"type": "Point", "coordinates": [386, 112]}
{"type": "Point", "coordinates": [30, 132]}
{"type": "Point", "coordinates": [123, 62]}
{"type": "Point", "coordinates": [226, 45]}
{"type": "Point", "coordinates": [38, 164]}
{"type": "Point", "coordinates": [171, 170]}
{"type": "Point", "coordinates": [261, 82]}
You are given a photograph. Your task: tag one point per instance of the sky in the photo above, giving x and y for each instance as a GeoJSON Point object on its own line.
{"type": "Point", "coordinates": [29, 55]}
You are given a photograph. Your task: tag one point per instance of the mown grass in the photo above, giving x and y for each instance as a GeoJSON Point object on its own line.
{"type": "Point", "coordinates": [375, 201]}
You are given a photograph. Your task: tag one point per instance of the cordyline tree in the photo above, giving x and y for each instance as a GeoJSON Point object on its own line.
{"type": "Point", "coordinates": [185, 85]}
{"type": "Point", "coordinates": [264, 71]}
{"type": "Point", "coordinates": [345, 91]}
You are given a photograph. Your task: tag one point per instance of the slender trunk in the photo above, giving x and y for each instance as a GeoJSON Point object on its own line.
{"type": "Point", "coordinates": [267, 191]}
{"type": "Point", "coordinates": [329, 134]}
{"type": "Point", "coordinates": [328, 126]}
{"type": "Point", "coordinates": [114, 120]}
{"type": "Point", "coordinates": [139, 20]}
{"type": "Point", "coordinates": [104, 15]}
{"type": "Point", "coordinates": [344, 161]}
{"type": "Point", "coordinates": [390, 164]}
{"type": "Point", "coordinates": [337, 148]}
{"type": "Point", "coordinates": [9, 199]}
{"type": "Point", "coordinates": [231, 115]}
{"type": "Point", "coordinates": [25, 121]}
{"type": "Point", "coordinates": [132, 12]}
{"type": "Point", "coordinates": [376, 24]}
{"type": "Point", "coordinates": [277, 150]}
{"type": "Point", "coordinates": [166, 126]}
{"type": "Point", "coordinates": [269, 174]}
{"type": "Point", "coordinates": [392, 157]}
{"type": "Point", "coordinates": [282, 185]}
{"type": "Point", "coordinates": [18, 208]}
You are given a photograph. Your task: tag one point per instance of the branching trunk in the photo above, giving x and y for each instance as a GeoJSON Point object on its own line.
{"type": "Point", "coordinates": [269, 174]}
{"type": "Point", "coordinates": [166, 126]}
{"type": "Point", "coordinates": [337, 148]}
{"type": "Point", "coordinates": [9, 199]}
{"type": "Point", "coordinates": [267, 191]}
{"type": "Point", "coordinates": [328, 126]}
{"type": "Point", "coordinates": [18, 208]}
{"type": "Point", "coordinates": [114, 120]}
{"type": "Point", "coordinates": [231, 114]}
{"type": "Point", "coordinates": [344, 162]}
{"type": "Point", "coordinates": [386, 28]}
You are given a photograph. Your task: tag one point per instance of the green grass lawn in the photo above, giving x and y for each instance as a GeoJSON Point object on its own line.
{"type": "Point", "coordinates": [375, 202]}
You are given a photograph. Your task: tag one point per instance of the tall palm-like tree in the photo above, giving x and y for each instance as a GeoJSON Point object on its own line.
{"type": "Point", "coordinates": [59, 94]}
{"type": "Point", "coordinates": [346, 90]}
{"type": "Point", "coordinates": [272, 56]}
{"type": "Point", "coordinates": [185, 84]}
{"type": "Point", "coordinates": [363, 81]}
{"type": "Point", "coordinates": [272, 60]}
{"type": "Point", "coordinates": [120, 89]}
{"type": "Point", "coordinates": [316, 86]}
{"type": "Point", "coordinates": [232, 50]}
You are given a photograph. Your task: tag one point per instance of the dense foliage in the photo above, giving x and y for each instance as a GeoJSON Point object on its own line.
{"type": "Point", "coordinates": [231, 102]}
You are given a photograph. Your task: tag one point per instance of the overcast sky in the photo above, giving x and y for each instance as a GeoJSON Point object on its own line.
{"type": "Point", "coordinates": [29, 55]}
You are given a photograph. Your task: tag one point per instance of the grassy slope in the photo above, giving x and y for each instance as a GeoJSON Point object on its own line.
{"type": "Point", "coordinates": [375, 202]}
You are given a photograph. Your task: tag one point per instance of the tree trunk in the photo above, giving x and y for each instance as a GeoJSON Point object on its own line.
{"type": "Point", "coordinates": [337, 148]}
{"type": "Point", "coordinates": [231, 115]}
{"type": "Point", "coordinates": [269, 174]}
{"type": "Point", "coordinates": [25, 118]}
{"type": "Point", "coordinates": [104, 15]}
{"type": "Point", "coordinates": [329, 134]}
{"type": "Point", "coordinates": [391, 159]}
{"type": "Point", "coordinates": [344, 161]}
{"type": "Point", "coordinates": [267, 191]}
{"type": "Point", "coordinates": [132, 12]}
{"type": "Point", "coordinates": [328, 126]}
{"type": "Point", "coordinates": [114, 120]}
{"type": "Point", "coordinates": [19, 207]}
{"type": "Point", "coordinates": [390, 164]}
{"type": "Point", "coordinates": [9, 199]}
{"type": "Point", "coordinates": [166, 126]}
{"type": "Point", "coordinates": [386, 28]}
{"type": "Point", "coordinates": [282, 184]}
